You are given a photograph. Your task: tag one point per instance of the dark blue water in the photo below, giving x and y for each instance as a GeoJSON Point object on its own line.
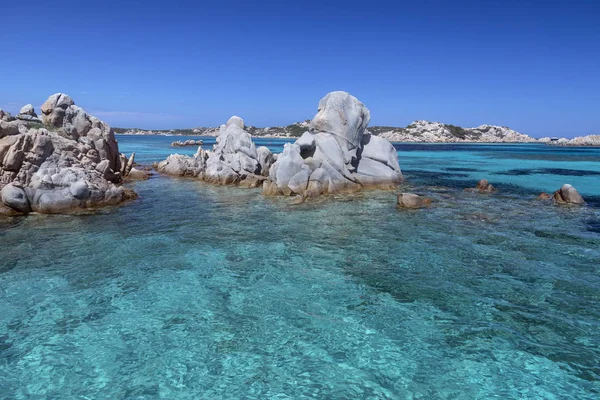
{"type": "Point", "coordinates": [195, 291]}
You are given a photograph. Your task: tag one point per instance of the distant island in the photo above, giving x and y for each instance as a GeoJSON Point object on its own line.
{"type": "Point", "coordinates": [420, 131]}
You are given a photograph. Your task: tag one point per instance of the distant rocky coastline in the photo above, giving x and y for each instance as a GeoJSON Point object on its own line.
{"type": "Point", "coordinates": [589, 140]}
{"type": "Point", "coordinates": [417, 132]}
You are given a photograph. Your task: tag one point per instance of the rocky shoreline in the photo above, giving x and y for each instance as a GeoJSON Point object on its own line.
{"type": "Point", "coordinates": [580, 141]}
{"type": "Point", "coordinates": [416, 132]}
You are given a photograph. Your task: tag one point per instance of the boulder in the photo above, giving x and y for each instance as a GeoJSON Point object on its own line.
{"type": "Point", "coordinates": [567, 194]}
{"type": "Point", "coordinates": [14, 197]}
{"type": "Point", "coordinates": [338, 151]}
{"type": "Point", "coordinates": [27, 113]}
{"type": "Point", "coordinates": [411, 200]}
{"type": "Point", "coordinates": [180, 165]}
{"type": "Point", "coordinates": [138, 175]}
{"type": "Point", "coordinates": [28, 110]}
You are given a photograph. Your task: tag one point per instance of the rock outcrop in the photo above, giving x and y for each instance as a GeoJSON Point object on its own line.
{"type": "Point", "coordinates": [233, 160]}
{"type": "Point", "coordinates": [74, 163]}
{"type": "Point", "coordinates": [335, 155]}
{"type": "Point", "coordinates": [567, 194]}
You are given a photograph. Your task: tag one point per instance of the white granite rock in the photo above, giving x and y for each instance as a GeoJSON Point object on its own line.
{"type": "Point", "coordinates": [76, 164]}
{"type": "Point", "coordinates": [338, 151]}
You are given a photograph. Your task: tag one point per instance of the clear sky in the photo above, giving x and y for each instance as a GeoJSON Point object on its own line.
{"type": "Point", "coordinates": [530, 65]}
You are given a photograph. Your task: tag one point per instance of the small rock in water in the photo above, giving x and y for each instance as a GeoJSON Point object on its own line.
{"type": "Point", "coordinates": [411, 200]}
{"type": "Point", "coordinates": [567, 194]}
{"type": "Point", "coordinates": [484, 186]}
{"type": "Point", "coordinates": [544, 196]}
{"type": "Point", "coordinates": [189, 142]}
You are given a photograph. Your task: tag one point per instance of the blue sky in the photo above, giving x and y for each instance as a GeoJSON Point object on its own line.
{"type": "Point", "coordinates": [530, 65]}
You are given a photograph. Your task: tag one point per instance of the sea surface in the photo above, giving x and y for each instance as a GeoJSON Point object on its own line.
{"type": "Point", "coordinates": [196, 291]}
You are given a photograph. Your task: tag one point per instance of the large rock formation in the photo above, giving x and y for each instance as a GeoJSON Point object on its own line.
{"type": "Point", "coordinates": [72, 163]}
{"type": "Point", "coordinates": [233, 160]}
{"type": "Point", "coordinates": [336, 154]}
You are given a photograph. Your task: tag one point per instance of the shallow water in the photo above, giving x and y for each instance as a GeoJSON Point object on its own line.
{"type": "Point", "coordinates": [195, 291]}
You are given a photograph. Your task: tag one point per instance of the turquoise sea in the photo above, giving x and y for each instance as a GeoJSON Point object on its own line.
{"type": "Point", "coordinates": [202, 292]}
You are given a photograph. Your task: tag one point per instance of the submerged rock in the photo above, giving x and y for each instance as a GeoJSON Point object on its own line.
{"type": "Point", "coordinates": [483, 186]}
{"type": "Point", "coordinates": [411, 200]}
{"type": "Point", "coordinates": [74, 164]}
{"type": "Point", "coordinates": [233, 160]}
{"type": "Point", "coordinates": [335, 155]}
{"type": "Point", "coordinates": [567, 194]}
{"type": "Point", "coordinates": [544, 196]}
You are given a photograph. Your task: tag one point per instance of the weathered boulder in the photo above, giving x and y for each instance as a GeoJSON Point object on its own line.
{"type": "Point", "coordinates": [27, 113]}
{"type": "Point", "coordinates": [138, 175]}
{"type": "Point", "coordinates": [336, 153]}
{"type": "Point", "coordinates": [567, 194]}
{"type": "Point", "coordinates": [28, 110]}
{"type": "Point", "coordinates": [233, 160]}
{"type": "Point", "coordinates": [411, 200]}
{"type": "Point", "coordinates": [73, 164]}
{"type": "Point", "coordinates": [14, 197]}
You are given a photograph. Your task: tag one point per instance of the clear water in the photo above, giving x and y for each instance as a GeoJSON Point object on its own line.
{"type": "Point", "coordinates": [196, 291]}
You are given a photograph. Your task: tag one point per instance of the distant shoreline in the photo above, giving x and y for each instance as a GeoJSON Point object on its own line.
{"type": "Point", "coordinates": [394, 142]}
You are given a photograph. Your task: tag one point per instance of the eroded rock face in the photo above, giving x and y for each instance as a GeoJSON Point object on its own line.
{"type": "Point", "coordinates": [336, 155]}
{"type": "Point", "coordinates": [567, 194]}
{"type": "Point", "coordinates": [233, 160]}
{"type": "Point", "coordinates": [76, 164]}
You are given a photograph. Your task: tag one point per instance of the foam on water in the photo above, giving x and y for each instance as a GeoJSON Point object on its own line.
{"type": "Point", "coordinates": [196, 291]}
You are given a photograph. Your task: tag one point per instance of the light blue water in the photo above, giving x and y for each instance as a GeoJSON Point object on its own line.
{"type": "Point", "coordinates": [196, 291]}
